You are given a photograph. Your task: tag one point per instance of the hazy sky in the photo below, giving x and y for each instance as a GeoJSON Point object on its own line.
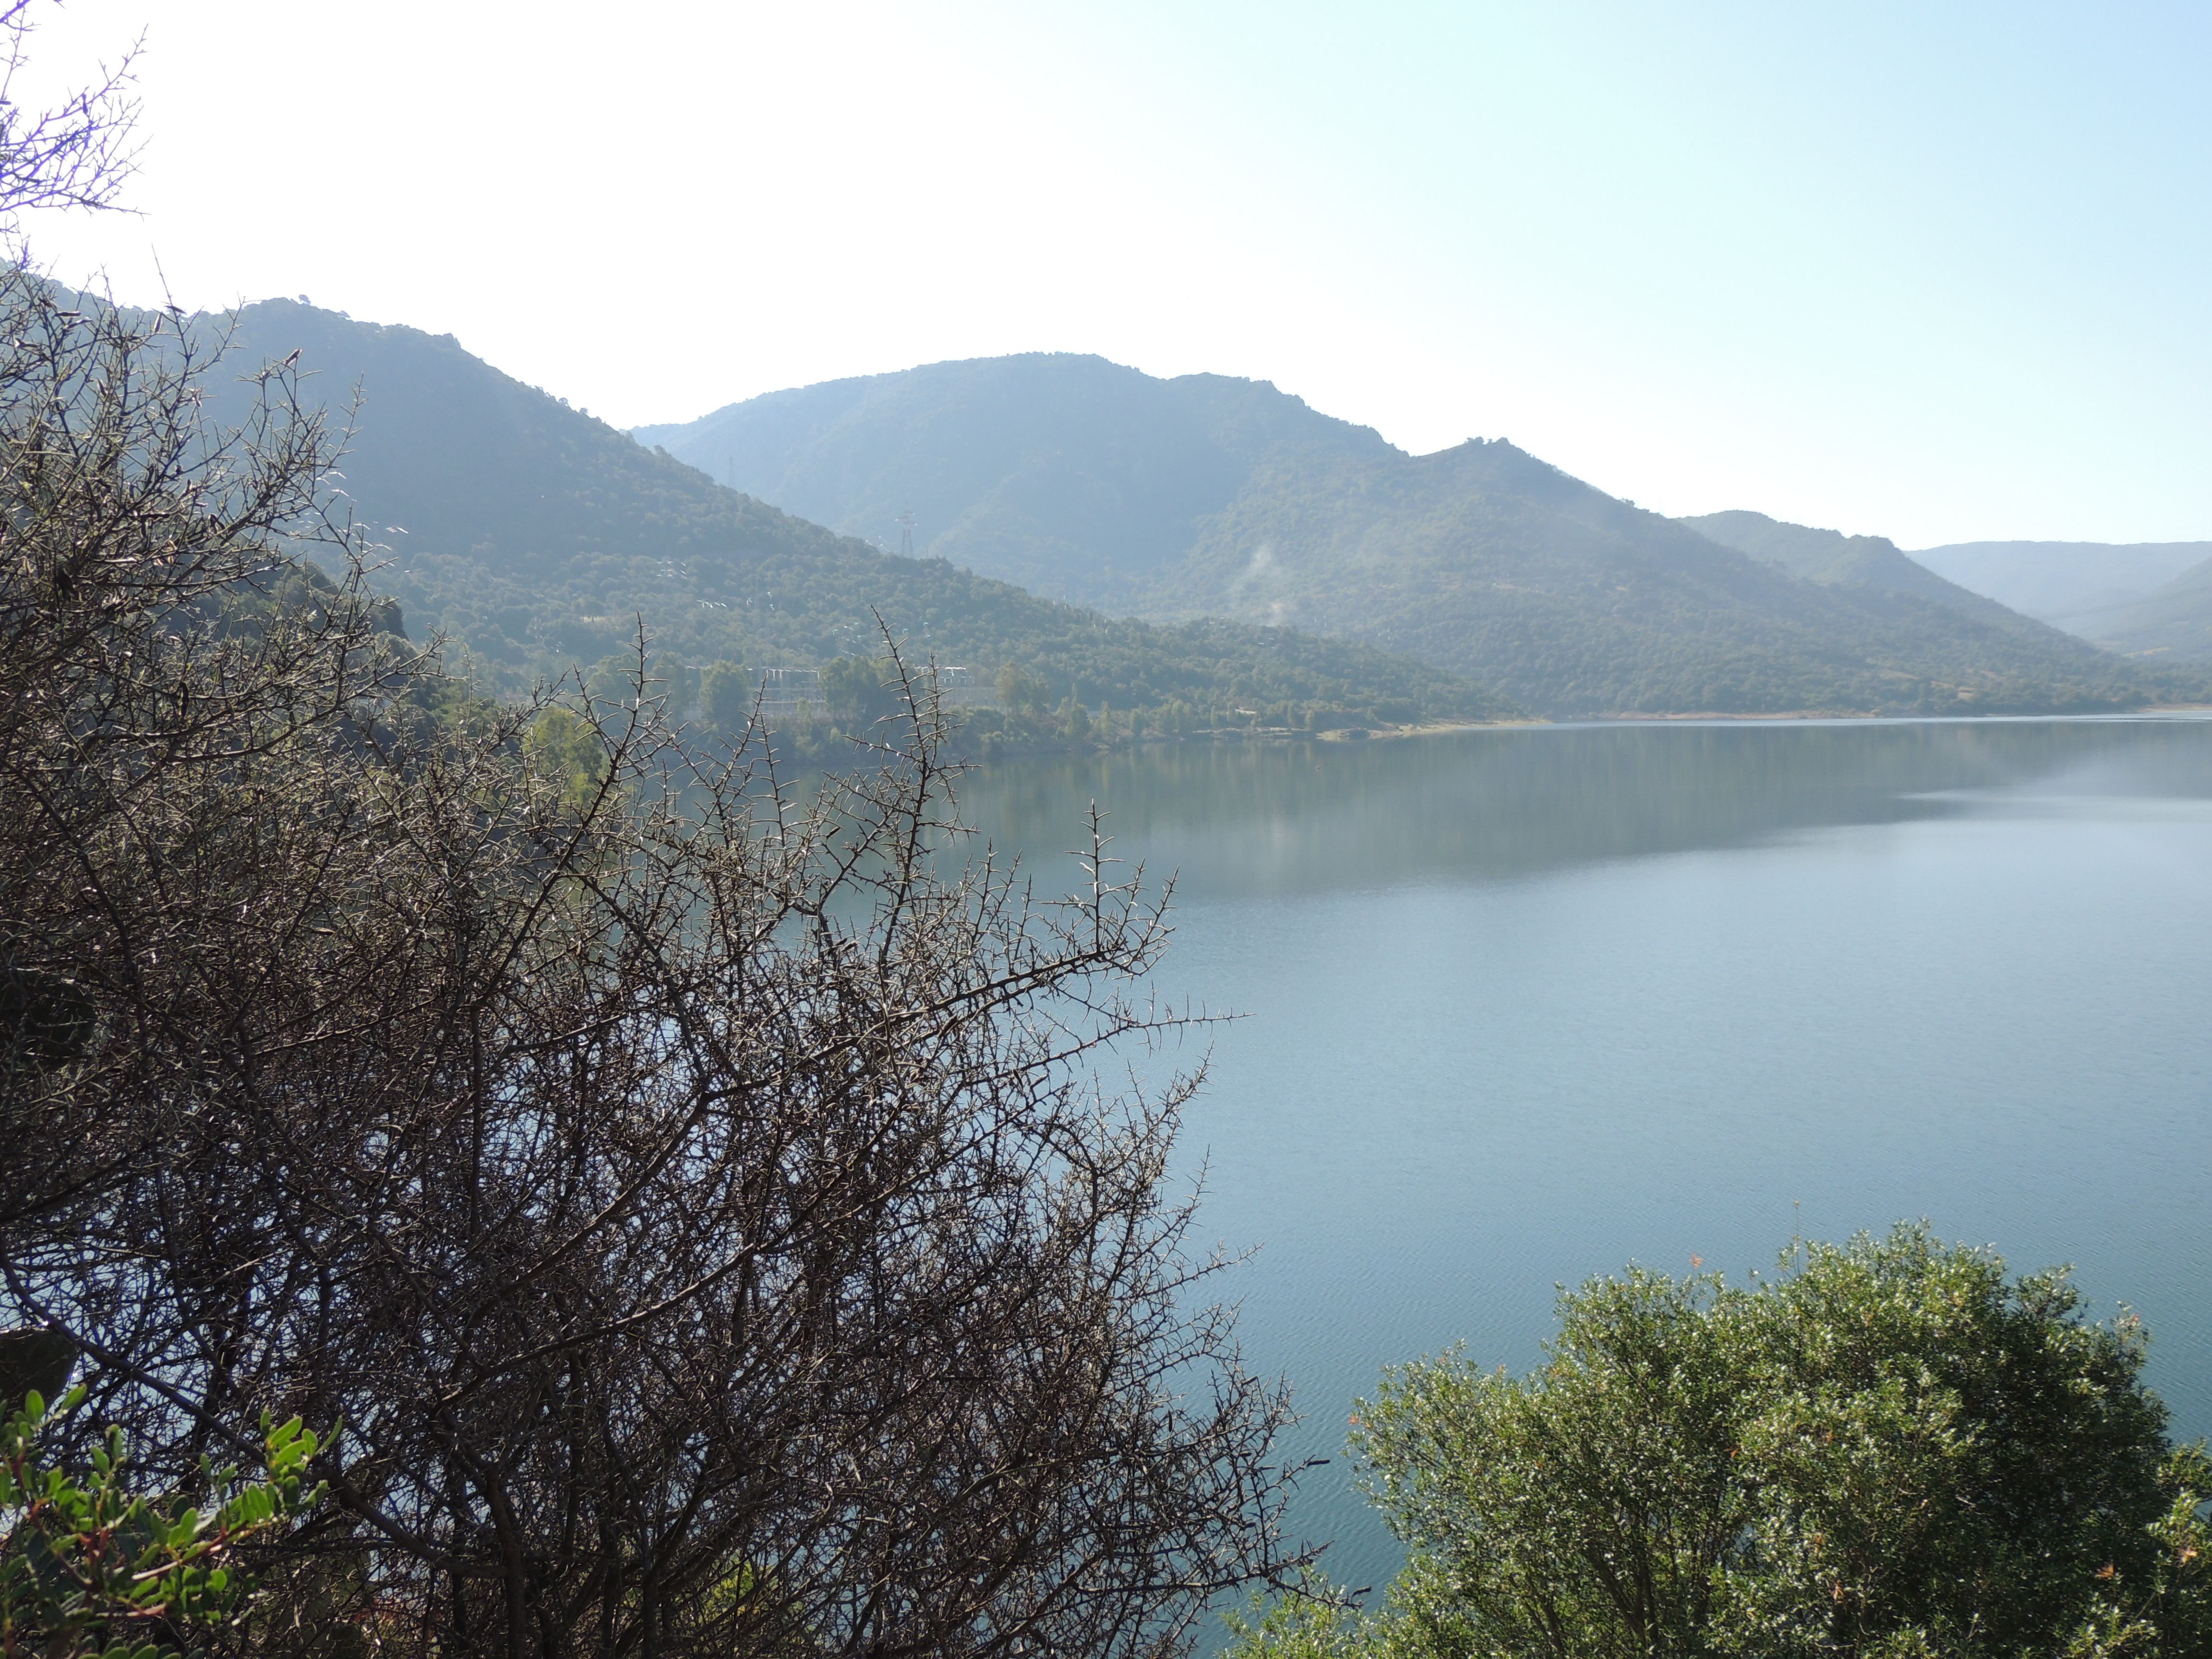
{"type": "Point", "coordinates": [1937, 272]}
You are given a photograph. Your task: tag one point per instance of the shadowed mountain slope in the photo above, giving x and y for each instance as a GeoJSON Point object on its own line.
{"type": "Point", "coordinates": [1206, 495]}
{"type": "Point", "coordinates": [539, 537]}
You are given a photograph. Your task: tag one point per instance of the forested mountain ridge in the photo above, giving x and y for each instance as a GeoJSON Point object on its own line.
{"type": "Point", "coordinates": [1575, 602]}
{"type": "Point", "coordinates": [2149, 600]}
{"type": "Point", "coordinates": [2172, 620]}
{"type": "Point", "coordinates": [1069, 474]}
{"type": "Point", "coordinates": [1203, 496]}
{"type": "Point", "coordinates": [1835, 559]}
{"type": "Point", "coordinates": [537, 536]}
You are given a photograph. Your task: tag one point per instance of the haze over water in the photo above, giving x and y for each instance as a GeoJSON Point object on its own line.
{"type": "Point", "coordinates": [1527, 1005]}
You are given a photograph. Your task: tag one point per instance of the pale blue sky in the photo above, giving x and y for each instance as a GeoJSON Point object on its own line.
{"type": "Point", "coordinates": [1937, 272]}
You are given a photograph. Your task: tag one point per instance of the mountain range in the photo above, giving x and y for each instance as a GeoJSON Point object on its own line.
{"type": "Point", "coordinates": [1206, 495]}
{"type": "Point", "coordinates": [1207, 547]}
{"type": "Point", "coordinates": [536, 536]}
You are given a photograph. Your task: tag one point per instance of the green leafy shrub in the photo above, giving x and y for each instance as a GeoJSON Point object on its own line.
{"type": "Point", "coordinates": [88, 1566]}
{"type": "Point", "coordinates": [1890, 1448]}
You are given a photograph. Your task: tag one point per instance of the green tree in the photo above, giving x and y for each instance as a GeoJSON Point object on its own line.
{"type": "Point", "coordinates": [862, 691]}
{"type": "Point", "coordinates": [1022, 690]}
{"type": "Point", "coordinates": [88, 1566]}
{"type": "Point", "coordinates": [564, 750]}
{"type": "Point", "coordinates": [679, 684]}
{"type": "Point", "coordinates": [613, 678]}
{"type": "Point", "coordinates": [725, 695]}
{"type": "Point", "coordinates": [1888, 1449]}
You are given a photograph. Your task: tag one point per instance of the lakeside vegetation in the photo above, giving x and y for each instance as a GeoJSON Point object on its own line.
{"type": "Point", "coordinates": [1887, 1449]}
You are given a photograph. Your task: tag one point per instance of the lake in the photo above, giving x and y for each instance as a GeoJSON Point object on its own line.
{"type": "Point", "coordinates": [1525, 1005]}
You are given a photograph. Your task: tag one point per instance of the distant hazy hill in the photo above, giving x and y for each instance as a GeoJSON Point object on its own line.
{"type": "Point", "coordinates": [2173, 622]}
{"type": "Point", "coordinates": [2075, 586]}
{"type": "Point", "coordinates": [1207, 495]}
{"type": "Point", "coordinates": [1835, 559]}
{"type": "Point", "coordinates": [537, 536]}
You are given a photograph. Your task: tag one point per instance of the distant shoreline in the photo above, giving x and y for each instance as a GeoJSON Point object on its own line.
{"type": "Point", "coordinates": [1281, 736]}
{"type": "Point", "coordinates": [1385, 734]}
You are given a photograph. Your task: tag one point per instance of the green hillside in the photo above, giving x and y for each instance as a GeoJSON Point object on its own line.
{"type": "Point", "coordinates": [1571, 601]}
{"type": "Point", "coordinates": [1206, 495]}
{"type": "Point", "coordinates": [1070, 475]}
{"type": "Point", "coordinates": [537, 536]}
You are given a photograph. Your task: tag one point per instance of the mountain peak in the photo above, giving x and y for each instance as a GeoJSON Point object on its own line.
{"type": "Point", "coordinates": [1211, 494]}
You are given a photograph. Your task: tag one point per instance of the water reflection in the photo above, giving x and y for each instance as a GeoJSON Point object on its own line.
{"type": "Point", "coordinates": [1269, 818]}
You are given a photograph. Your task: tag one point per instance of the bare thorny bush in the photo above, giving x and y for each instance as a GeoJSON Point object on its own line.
{"type": "Point", "coordinates": [77, 154]}
{"type": "Point", "coordinates": [691, 1198]}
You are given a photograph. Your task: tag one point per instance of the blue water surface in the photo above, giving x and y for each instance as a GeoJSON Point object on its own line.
{"type": "Point", "coordinates": [1523, 1005]}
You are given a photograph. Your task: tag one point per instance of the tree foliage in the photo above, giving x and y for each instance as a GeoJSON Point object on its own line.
{"type": "Point", "coordinates": [726, 696]}
{"type": "Point", "coordinates": [1484, 560]}
{"type": "Point", "coordinates": [90, 1565]}
{"type": "Point", "coordinates": [1889, 1448]}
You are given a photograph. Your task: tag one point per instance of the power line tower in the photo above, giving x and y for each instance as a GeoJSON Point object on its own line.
{"type": "Point", "coordinates": [906, 532]}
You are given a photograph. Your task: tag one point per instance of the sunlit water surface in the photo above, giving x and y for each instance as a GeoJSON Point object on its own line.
{"type": "Point", "coordinates": [1524, 1006]}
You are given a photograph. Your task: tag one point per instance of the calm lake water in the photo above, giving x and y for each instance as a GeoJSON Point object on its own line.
{"type": "Point", "coordinates": [1524, 1006]}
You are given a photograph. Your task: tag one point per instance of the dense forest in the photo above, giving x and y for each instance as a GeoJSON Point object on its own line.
{"type": "Point", "coordinates": [1207, 495]}
{"type": "Point", "coordinates": [1576, 602]}
{"type": "Point", "coordinates": [1070, 475]}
